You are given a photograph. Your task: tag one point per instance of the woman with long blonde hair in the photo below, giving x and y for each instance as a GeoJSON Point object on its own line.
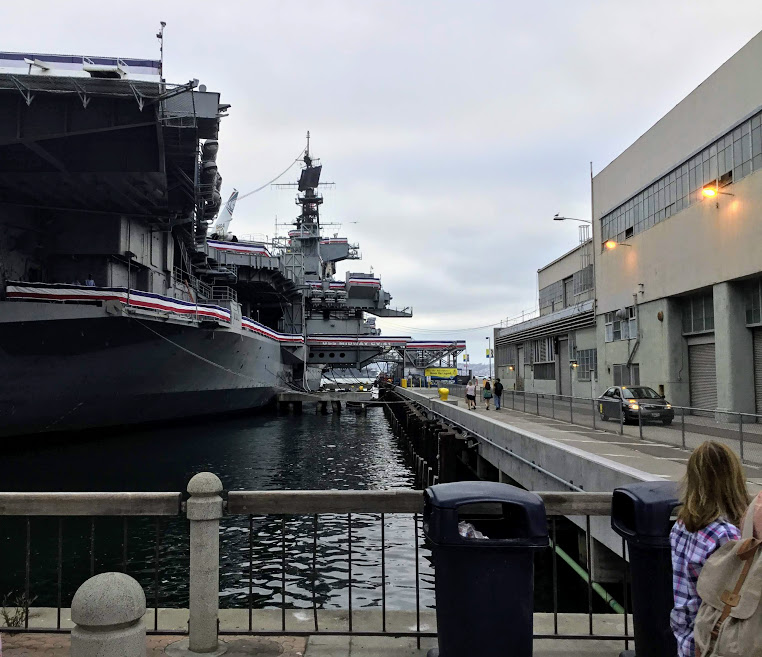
{"type": "Point", "coordinates": [714, 498]}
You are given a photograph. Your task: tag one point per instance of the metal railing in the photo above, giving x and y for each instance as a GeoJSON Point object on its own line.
{"type": "Point", "coordinates": [689, 427]}
{"type": "Point", "coordinates": [302, 535]}
{"type": "Point", "coordinates": [183, 280]}
{"type": "Point", "coordinates": [224, 293]}
{"type": "Point", "coordinates": [85, 510]}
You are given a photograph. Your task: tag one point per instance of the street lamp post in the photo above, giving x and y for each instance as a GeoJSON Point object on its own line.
{"type": "Point", "coordinates": [557, 217]}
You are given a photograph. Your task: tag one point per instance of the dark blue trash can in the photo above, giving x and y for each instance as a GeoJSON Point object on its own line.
{"type": "Point", "coordinates": [643, 514]}
{"type": "Point", "coordinates": [484, 586]}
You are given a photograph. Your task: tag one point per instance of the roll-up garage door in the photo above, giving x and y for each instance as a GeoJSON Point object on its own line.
{"type": "Point", "coordinates": [758, 368]}
{"type": "Point", "coordinates": [703, 375]}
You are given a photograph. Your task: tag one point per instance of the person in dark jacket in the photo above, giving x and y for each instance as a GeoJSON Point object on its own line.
{"type": "Point", "coordinates": [486, 394]}
{"type": "Point", "coordinates": [498, 392]}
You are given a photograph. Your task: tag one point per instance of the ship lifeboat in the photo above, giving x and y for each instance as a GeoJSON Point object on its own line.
{"type": "Point", "coordinates": [209, 150]}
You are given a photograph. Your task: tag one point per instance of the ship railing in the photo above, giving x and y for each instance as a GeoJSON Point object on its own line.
{"type": "Point", "coordinates": [224, 293]}
{"type": "Point", "coordinates": [185, 281]}
{"type": "Point", "coordinates": [306, 562]}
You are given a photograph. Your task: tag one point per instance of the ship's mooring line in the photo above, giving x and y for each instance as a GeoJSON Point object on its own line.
{"type": "Point", "coordinates": [206, 360]}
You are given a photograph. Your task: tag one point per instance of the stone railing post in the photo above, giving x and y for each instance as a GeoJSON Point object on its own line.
{"type": "Point", "coordinates": [204, 510]}
{"type": "Point", "coordinates": [108, 611]}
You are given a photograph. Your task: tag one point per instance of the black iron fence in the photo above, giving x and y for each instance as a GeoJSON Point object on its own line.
{"type": "Point", "coordinates": [358, 522]}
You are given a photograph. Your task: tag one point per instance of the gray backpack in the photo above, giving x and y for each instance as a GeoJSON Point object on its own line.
{"type": "Point", "coordinates": [729, 621]}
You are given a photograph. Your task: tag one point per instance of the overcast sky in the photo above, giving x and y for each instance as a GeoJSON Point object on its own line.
{"type": "Point", "coordinates": [453, 130]}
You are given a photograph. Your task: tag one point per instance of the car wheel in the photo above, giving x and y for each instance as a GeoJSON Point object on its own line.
{"type": "Point", "coordinates": [667, 422]}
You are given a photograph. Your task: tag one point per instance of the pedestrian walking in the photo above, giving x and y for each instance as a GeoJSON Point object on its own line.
{"type": "Point", "coordinates": [487, 394]}
{"type": "Point", "coordinates": [714, 497]}
{"type": "Point", "coordinates": [471, 395]}
{"type": "Point", "coordinates": [498, 391]}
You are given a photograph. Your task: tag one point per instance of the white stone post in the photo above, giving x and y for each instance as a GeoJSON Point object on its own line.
{"type": "Point", "coordinates": [108, 611]}
{"type": "Point", "coordinates": [204, 512]}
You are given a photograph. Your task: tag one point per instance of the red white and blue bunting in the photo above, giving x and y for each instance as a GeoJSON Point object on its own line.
{"type": "Point", "coordinates": [239, 247]}
{"type": "Point", "coordinates": [365, 282]}
{"type": "Point", "coordinates": [133, 298]}
{"type": "Point", "coordinates": [265, 331]}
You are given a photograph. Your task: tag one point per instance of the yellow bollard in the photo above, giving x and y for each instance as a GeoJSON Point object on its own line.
{"type": "Point", "coordinates": [404, 383]}
{"type": "Point", "coordinates": [362, 388]}
{"type": "Point", "coordinates": [444, 393]}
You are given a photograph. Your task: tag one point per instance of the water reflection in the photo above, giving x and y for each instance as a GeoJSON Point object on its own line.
{"type": "Point", "coordinates": [354, 450]}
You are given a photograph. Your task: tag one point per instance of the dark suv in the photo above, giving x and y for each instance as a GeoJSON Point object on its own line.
{"type": "Point", "coordinates": [634, 402]}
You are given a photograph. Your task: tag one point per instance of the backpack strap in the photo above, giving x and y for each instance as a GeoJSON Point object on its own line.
{"type": "Point", "coordinates": [732, 598]}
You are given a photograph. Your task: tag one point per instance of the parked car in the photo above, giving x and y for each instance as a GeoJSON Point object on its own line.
{"type": "Point", "coordinates": [635, 402]}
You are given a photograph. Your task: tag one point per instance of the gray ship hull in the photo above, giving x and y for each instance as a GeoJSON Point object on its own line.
{"type": "Point", "coordinates": [101, 371]}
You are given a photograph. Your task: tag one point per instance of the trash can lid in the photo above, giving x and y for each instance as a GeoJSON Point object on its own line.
{"type": "Point", "coordinates": [642, 512]}
{"type": "Point", "coordinates": [458, 493]}
{"type": "Point", "coordinates": [528, 522]}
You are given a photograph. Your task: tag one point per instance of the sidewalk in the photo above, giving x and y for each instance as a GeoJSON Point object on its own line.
{"type": "Point", "coordinates": [57, 645]}
{"type": "Point", "coordinates": [663, 460]}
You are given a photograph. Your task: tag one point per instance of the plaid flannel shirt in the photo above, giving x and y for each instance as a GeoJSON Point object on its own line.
{"type": "Point", "coordinates": [690, 550]}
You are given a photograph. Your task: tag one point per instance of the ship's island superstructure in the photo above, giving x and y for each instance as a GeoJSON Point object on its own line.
{"type": "Point", "coordinates": [116, 305]}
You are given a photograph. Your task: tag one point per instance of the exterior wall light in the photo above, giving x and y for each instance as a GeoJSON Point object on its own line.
{"type": "Point", "coordinates": [612, 244]}
{"type": "Point", "coordinates": [510, 367]}
{"type": "Point", "coordinates": [712, 191]}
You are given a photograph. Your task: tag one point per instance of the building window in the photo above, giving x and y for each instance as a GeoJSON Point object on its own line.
{"type": "Point", "coordinates": [544, 371]}
{"type": "Point", "coordinates": [543, 350]}
{"type": "Point", "coordinates": [698, 314]}
{"type": "Point", "coordinates": [727, 160]}
{"type": "Point", "coordinates": [552, 296]}
{"type": "Point", "coordinates": [621, 325]}
{"type": "Point", "coordinates": [627, 376]}
{"type": "Point", "coordinates": [587, 364]}
{"type": "Point", "coordinates": [753, 305]}
{"type": "Point", "coordinates": [568, 291]}
{"type": "Point", "coordinates": [583, 280]}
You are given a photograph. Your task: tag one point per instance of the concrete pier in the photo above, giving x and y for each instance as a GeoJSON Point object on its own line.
{"type": "Point", "coordinates": [295, 400]}
{"type": "Point", "coordinates": [236, 620]}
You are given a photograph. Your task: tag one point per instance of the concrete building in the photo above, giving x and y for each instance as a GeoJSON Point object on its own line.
{"type": "Point", "coordinates": [554, 352]}
{"type": "Point", "coordinates": [677, 229]}
{"type": "Point", "coordinates": [678, 297]}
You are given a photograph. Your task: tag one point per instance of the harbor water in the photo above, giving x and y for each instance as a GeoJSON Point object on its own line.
{"type": "Point", "coordinates": [348, 451]}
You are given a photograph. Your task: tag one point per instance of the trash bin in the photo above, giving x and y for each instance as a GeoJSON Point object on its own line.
{"type": "Point", "coordinates": [484, 585]}
{"type": "Point", "coordinates": [444, 393]}
{"type": "Point", "coordinates": [403, 383]}
{"type": "Point", "coordinates": [643, 514]}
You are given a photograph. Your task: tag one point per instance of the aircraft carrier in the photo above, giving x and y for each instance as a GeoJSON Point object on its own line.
{"type": "Point", "coordinates": [117, 305]}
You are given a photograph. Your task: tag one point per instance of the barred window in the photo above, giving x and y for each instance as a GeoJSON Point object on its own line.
{"type": "Point", "coordinates": [587, 364]}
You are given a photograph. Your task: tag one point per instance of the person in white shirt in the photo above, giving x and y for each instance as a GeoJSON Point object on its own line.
{"type": "Point", "coordinates": [471, 395]}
